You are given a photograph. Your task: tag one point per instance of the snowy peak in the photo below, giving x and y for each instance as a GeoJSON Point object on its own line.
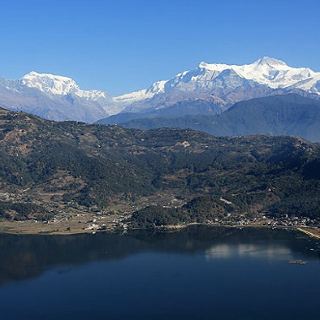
{"type": "Point", "coordinates": [264, 62]}
{"type": "Point", "coordinates": [136, 96]}
{"type": "Point", "coordinates": [55, 97]}
{"type": "Point", "coordinates": [49, 83]}
{"type": "Point", "coordinates": [219, 67]}
{"type": "Point", "coordinates": [58, 85]}
{"type": "Point", "coordinates": [271, 62]}
{"type": "Point", "coordinates": [268, 71]}
{"type": "Point", "coordinates": [274, 73]}
{"type": "Point", "coordinates": [226, 83]}
{"type": "Point", "coordinates": [271, 72]}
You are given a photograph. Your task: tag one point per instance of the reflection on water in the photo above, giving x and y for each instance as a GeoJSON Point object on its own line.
{"type": "Point", "coordinates": [198, 273]}
{"type": "Point", "coordinates": [27, 256]}
{"type": "Point", "coordinates": [249, 250]}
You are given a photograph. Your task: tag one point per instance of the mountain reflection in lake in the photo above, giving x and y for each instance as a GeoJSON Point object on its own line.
{"type": "Point", "coordinates": [249, 250]}
{"type": "Point", "coordinates": [198, 273]}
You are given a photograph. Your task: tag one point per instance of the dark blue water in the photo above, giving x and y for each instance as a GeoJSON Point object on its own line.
{"type": "Point", "coordinates": [199, 273]}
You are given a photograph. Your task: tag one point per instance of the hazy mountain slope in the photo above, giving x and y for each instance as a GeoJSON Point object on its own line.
{"type": "Point", "coordinates": [275, 115]}
{"type": "Point", "coordinates": [189, 107]}
{"type": "Point", "coordinates": [50, 167]}
{"type": "Point", "coordinates": [279, 115]}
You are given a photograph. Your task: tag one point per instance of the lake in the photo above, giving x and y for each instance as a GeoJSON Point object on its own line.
{"type": "Point", "coordinates": [198, 273]}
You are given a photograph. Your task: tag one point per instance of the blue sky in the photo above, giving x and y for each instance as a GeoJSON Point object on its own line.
{"type": "Point", "coordinates": [123, 45]}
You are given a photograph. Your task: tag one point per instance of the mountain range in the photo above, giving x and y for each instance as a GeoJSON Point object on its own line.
{"type": "Point", "coordinates": [225, 84]}
{"type": "Point", "coordinates": [220, 85]}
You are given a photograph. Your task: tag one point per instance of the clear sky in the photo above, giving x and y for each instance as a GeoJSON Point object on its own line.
{"type": "Point", "coordinates": [123, 45]}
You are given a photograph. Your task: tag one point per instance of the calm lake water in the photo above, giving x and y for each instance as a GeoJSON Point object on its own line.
{"type": "Point", "coordinates": [199, 273]}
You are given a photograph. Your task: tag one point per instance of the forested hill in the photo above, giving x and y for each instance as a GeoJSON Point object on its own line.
{"type": "Point", "coordinates": [47, 167]}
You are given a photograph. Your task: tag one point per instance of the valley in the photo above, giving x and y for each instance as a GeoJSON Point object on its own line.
{"type": "Point", "coordinates": [69, 177]}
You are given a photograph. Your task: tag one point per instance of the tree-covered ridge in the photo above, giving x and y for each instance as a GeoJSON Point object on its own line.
{"type": "Point", "coordinates": [47, 167]}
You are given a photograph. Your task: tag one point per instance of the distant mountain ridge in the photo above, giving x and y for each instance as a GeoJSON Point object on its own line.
{"type": "Point", "coordinates": [290, 114]}
{"type": "Point", "coordinates": [60, 98]}
{"type": "Point", "coordinates": [185, 108]}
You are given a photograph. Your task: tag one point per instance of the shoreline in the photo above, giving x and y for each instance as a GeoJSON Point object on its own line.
{"type": "Point", "coordinates": [13, 228]}
{"type": "Point", "coordinates": [312, 232]}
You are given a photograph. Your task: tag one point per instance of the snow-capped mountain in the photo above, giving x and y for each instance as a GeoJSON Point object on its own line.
{"type": "Point", "coordinates": [59, 85]}
{"type": "Point", "coordinates": [268, 71]}
{"type": "Point", "coordinates": [157, 88]}
{"type": "Point", "coordinates": [225, 84]}
{"type": "Point", "coordinates": [56, 98]}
